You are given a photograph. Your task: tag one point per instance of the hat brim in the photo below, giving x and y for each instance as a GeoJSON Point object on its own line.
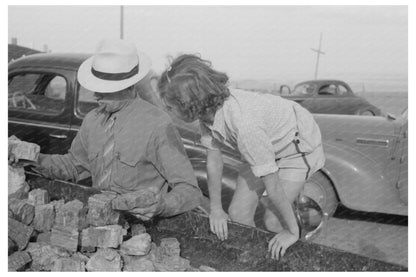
{"type": "Point", "coordinates": [92, 83]}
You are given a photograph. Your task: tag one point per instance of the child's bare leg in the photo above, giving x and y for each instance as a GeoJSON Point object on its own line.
{"type": "Point", "coordinates": [246, 197]}
{"type": "Point", "coordinates": [271, 216]}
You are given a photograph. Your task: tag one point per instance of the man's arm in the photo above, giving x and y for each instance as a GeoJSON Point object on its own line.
{"type": "Point", "coordinates": [167, 153]}
{"type": "Point", "coordinates": [68, 166]}
{"type": "Point", "coordinates": [180, 199]}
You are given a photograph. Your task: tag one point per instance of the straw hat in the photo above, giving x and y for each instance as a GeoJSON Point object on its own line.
{"type": "Point", "coordinates": [116, 65]}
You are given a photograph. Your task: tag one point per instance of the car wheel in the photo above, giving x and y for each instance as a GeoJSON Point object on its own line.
{"type": "Point", "coordinates": [319, 188]}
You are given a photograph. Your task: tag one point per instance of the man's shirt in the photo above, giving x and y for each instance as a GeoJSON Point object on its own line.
{"type": "Point", "coordinates": [148, 152]}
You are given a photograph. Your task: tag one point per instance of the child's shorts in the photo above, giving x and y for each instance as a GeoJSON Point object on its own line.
{"type": "Point", "coordinates": [293, 164]}
{"type": "Point", "coordinates": [297, 166]}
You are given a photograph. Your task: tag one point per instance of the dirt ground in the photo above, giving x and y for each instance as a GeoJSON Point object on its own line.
{"type": "Point", "coordinates": [383, 242]}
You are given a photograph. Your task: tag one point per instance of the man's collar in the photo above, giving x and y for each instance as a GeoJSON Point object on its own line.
{"type": "Point", "coordinates": [125, 109]}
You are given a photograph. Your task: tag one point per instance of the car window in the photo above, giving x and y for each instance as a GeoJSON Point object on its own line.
{"type": "Point", "coordinates": [328, 90]}
{"type": "Point", "coordinates": [39, 92]}
{"type": "Point", "coordinates": [304, 89]}
{"type": "Point", "coordinates": [342, 90]}
{"type": "Point", "coordinates": [86, 101]}
{"type": "Point", "coordinates": [56, 89]}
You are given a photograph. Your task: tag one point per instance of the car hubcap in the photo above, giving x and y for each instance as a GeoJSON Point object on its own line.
{"type": "Point", "coordinates": [315, 191]}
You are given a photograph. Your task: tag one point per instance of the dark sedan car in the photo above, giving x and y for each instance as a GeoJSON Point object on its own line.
{"type": "Point", "coordinates": [329, 97]}
{"type": "Point", "coordinates": [366, 157]}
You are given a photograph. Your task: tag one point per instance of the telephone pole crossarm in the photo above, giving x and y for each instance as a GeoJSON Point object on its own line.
{"type": "Point", "coordinates": [318, 51]}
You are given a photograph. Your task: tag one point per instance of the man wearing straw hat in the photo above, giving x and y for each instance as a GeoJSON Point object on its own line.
{"type": "Point", "coordinates": [126, 144]}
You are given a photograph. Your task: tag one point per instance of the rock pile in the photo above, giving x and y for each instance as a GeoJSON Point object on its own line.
{"type": "Point", "coordinates": [57, 236]}
{"type": "Point", "coordinates": [49, 235]}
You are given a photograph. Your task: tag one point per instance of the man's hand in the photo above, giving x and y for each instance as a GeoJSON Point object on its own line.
{"type": "Point", "coordinates": [279, 243]}
{"type": "Point", "coordinates": [149, 212]}
{"type": "Point", "coordinates": [218, 223]}
{"type": "Point", "coordinates": [13, 161]}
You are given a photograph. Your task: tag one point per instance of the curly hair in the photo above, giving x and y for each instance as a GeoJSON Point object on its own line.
{"type": "Point", "coordinates": [194, 86]}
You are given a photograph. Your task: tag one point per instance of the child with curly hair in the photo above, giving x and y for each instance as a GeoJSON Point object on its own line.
{"type": "Point", "coordinates": [279, 141]}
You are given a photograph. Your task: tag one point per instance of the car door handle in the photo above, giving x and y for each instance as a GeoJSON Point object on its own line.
{"type": "Point", "coordinates": [58, 136]}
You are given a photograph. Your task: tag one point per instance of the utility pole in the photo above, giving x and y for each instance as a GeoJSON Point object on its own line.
{"type": "Point", "coordinates": [121, 22]}
{"type": "Point", "coordinates": [318, 53]}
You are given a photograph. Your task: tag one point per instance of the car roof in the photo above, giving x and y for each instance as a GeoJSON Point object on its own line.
{"type": "Point", "coordinates": [51, 60]}
{"type": "Point", "coordinates": [323, 82]}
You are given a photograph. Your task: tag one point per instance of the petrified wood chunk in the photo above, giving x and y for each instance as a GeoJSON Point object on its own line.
{"type": "Point", "coordinates": [38, 197]}
{"type": "Point", "coordinates": [21, 210]}
{"type": "Point", "coordinates": [68, 264]}
{"type": "Point", "coordinates": [16, 179]}
{"type": "Point", "coordinates": [102, 236]}
{"type": "Point", "coordinates": [106, 259]}
{"type": "Point", "coordinates": [65, 237]}
{"type": "Point", "coordinates": [18, 260]}
{"type": "Point", "coordinates": [44, 217]}
{"type": "Point", "coordinates": [19, 233]}
{"type": "Point", "coordinates": [72, 214]}
{"type": "Point", "coordinates": [139, 199]}
{"type": "Point", "coordinates": [138, 245]}
{"type": "Point", "coordinates": [23, 150]}
{"type": "Point", "coordinates": [139, 264]}
{"type": "Point", "coordinates": [100, 212]}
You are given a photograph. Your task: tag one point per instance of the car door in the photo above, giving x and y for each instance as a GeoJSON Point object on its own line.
{"type": "Point", "coordinates": [39, 108]}
{"type": "Point", "coordinates": [348, 103]}
{"type": "Point", "coordinates": [84, 103]}
{"type": "Point", "coordinates": [326, 100]}
{"type": "Point", "coordinates": [304, 94]}
{"type": "Point", "coordinates": [402, 184]}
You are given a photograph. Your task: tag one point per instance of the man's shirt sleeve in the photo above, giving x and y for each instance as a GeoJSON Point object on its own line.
{"type": "Point", "coordinates": [68, 166]}
{"type": "Point", "coordinates": [167, 153]}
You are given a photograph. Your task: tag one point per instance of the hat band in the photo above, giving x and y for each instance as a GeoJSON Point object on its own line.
{"type": "Point", "coordinates": [115, 76]}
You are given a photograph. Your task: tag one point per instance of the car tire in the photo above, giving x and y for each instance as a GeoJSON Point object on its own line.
{"type": "Point", "coordinates": [320, 188]}
{"type": "Point", "coordinates": [366, 112]}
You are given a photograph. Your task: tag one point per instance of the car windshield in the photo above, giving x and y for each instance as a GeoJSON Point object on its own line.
{"type": "Point", "coordinates": [304, 89]}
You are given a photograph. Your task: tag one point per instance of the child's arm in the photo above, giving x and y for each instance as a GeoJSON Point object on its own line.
{"type": "Point", "coordinates": [218, 218]}
{"type": "Point", "coordinates": [290, 234]}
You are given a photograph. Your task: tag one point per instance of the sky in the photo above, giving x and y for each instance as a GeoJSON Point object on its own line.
{"type": "Point", "coordinates": [247, 42]}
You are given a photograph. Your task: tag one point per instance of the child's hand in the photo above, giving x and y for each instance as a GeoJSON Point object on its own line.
{"type": "Point", "coordinates": [279, 243]}
{"type": "Point", "coordinates": [218, 223]}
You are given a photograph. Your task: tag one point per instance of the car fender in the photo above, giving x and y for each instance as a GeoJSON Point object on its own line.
{"type": "Point", "coordinates": [198, 159]}
{"type": "Point", "coordinates": [359, 184]}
